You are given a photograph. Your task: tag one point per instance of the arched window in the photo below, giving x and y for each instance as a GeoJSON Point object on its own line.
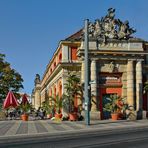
{"type": "Point", "coordinates": [51, 71]}
{"type": "Point", "coordinates": [73, 53]}
{"type": "Point", "coordinates": [51, 92]}
{"type": "Point", "coordinates": [60, 57]}
{"type": "Point", "coordinates": [54, 64]}
{"type": "Point", "coordinates": [55, 91]}
{"type": "Point", "coordinates": [60, 89]}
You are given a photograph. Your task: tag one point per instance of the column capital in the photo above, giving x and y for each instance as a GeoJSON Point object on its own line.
{"type": "Point", "coordinates": [81, 58]}
{"type": "Point", "coordinates": [131, 60]}
{"type": "Point", "coordinates": [93, 59]}
{"type": "Point", "coordinates": [139, 60]}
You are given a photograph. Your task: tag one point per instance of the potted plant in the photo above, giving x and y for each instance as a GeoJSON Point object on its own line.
{"type": "Point", "coordinates": [114, 106]}
{"type": "Point", "coordinates": [25, 108]}
{"type": "Point", "coordinates": [68, 106]}
{"type": "Point", "coordinates": [57, 104]}
{"type": "Point", "coordinates": [73, 89]}
{"type": "Point", "coordinates": [47, 107]}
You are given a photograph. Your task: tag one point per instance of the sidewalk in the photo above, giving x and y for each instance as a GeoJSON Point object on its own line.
{"type": "Point", "coordinates": [11, 128]}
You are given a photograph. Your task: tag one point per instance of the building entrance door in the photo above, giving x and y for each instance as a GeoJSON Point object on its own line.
{"type": "Point", "coordinates": [105, 100]}
{"type": "Point", "coordinates": [106, 114]}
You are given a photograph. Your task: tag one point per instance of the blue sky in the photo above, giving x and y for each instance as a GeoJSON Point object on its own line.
{"type": "Point", "coordinates": [30, 30]}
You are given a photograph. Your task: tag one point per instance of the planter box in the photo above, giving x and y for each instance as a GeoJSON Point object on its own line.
{"type": "Point", "coordinates": [49, 116]}
{"type": "Point", "coordinates": [73, 116]}
{"type": "Point", "coordinates": [114, 116]}
{"type": "Point", "coordinates": [58, 115]}
{"type": "Point", "coordinates": [24, 117]}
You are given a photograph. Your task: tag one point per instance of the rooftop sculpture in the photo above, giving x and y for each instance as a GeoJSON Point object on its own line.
{"type": "Point", "coordinates": [37, 79]}
{"type": "Point", "coordinates": [109, 28]}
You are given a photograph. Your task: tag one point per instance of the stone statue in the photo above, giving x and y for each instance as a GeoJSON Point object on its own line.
{"type": "Point", "coordinates": [91, 29]}
{"type": "Point", "coordinates": [124, 30]}
{"type": "Point", "coordinates": [97, 28]}
{"type": "Point", "coordinates": [110, 24]}
{"type": "Point", "coordinates": [111, 13]}
{"type": "Point", "coordinates": [37, 79]}
{"type": "Point", "coordinates": [109, 28]}
{"type": "Point", "coordinates": [111, 66]}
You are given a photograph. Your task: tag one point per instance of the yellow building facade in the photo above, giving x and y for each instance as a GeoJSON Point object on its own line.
{"type": "Point", "coordinates": [117, 65]}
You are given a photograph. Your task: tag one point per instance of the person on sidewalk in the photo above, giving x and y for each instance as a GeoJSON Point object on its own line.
{"type": "Point", "coordinates": [41, 114]}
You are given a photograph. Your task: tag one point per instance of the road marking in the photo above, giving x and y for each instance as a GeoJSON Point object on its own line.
{"type": "Point", "coordinates": [67, 126]}
{"type": "Point", "coordinates": [31, 127]}
{"type": "Point", "coordinates": [47, 126]}
{"type": "Point", "coordinates": [14, 128]}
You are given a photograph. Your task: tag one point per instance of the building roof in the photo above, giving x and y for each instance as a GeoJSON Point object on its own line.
{"type": "Point", "coordinates": [76, 36]}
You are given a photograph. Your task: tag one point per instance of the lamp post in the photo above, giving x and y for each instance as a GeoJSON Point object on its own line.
{"type": "Point", "coordinates": [86, 87]}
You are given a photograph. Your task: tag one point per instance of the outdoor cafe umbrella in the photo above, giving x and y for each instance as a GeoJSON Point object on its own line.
{"type": "Point", "coordinates": [10, 101]}
{"type": "Point", "coordinates": [24, 99]}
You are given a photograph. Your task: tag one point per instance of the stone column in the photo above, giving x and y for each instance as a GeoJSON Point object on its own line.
{"type": "Point", "coordinates": [139, 88]}
{"type": "Point", "coordinates": [130, 83]}
{"type": "Point", "coordinates": [64, 77]}
{"type": "Point", "coordinates": [37, 97]}
{"type": "Point", "coordinates": [43, 96]}
{"type": "Point", "coordinates": [33, 100]}
{"type": "Point", "coordinates": [93, 78]}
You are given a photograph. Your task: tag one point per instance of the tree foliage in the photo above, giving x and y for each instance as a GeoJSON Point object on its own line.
{"type": "Point", "coordinates": [9, 79]}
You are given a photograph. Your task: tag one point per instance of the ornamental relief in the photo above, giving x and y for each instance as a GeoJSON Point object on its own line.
{"type": "Point", "coordinates": [110, 67]}
{"type": "Point", "coordinates": [113, 67]}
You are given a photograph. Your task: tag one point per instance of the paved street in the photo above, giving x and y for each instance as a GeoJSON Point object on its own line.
{"type": "Point", "coordinates": [11, 128]}
{"type": "Point", "coordinates": [47, 133]}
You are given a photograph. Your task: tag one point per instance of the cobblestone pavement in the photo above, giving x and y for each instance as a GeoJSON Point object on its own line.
{"type": "Point", "coordinates": [18, 127]}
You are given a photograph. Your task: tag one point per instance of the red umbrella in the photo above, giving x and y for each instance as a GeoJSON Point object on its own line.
{"type": "Point", "coordinates": [10, 101]}
{"type": "Point", "coordinates": [24, 99]}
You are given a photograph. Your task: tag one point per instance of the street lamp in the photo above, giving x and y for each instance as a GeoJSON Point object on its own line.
{"type": "Point", "coordinates": [86, 86]}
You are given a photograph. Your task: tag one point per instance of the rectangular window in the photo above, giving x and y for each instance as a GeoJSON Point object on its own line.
{"type": "Point", "coordinates": [73, 53]}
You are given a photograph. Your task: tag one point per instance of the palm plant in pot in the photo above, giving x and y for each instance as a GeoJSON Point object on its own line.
{"type": "Point", "coordinates": [47, 106]}
{"type": "Point", "coordinates": [73, 89]}
{"type": "Point", "coordinates": [25, 108]}
{"type": "Point", "coordinates": [57, 104]}
{"type": "Point", "coordinates": [114, 106]}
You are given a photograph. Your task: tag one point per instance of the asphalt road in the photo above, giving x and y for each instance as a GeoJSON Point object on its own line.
{"type": "Point", "coordinates": [126, 138]}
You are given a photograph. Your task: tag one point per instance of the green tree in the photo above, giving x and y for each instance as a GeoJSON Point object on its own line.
{"type": "Point", "coordinates": [9, 79]}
